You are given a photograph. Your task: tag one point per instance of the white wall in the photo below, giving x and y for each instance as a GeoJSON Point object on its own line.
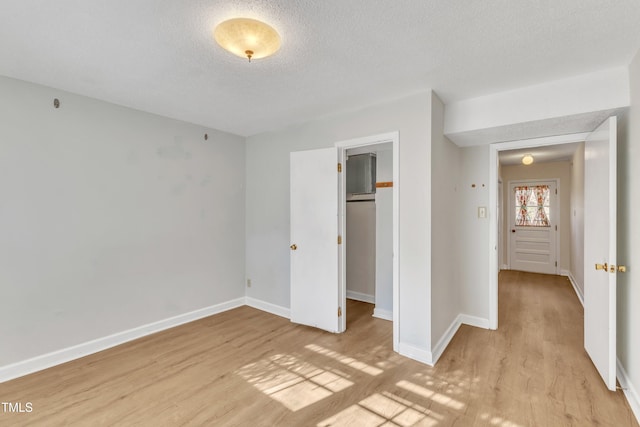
{"type": "Point", "coordinates": [474, 232]}
{"type": "Point", "coordinates": [384, 235]}
{"type": "Point", "coordinates": [361, 250]}
{"type": "Point", "coordinates": [110, 219]}
{"type": "Point", "coordinates": [445, 225]}
{"type": "Point", "coordinates": [602, 90]}
{"type": "Point", "coordinates": [267, 205]}
{"type": "Point", "coordinates": [629, 238]}
{"type": "Point", "coordinates": [577, 219]}
{"type": "Point", "coordinates": [550, 170]}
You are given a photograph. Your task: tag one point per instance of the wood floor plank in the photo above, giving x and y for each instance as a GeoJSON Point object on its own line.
{"type": "Point", "coordinates": [249, 368]}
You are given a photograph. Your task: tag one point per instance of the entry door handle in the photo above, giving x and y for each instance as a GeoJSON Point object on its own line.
{"type": "Point", "coordinates": [604, 267]}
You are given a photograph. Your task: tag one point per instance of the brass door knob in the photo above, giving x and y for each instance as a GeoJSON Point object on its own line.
{"type": "Point", "coordinates": [294, 247]}
{"type": "Point", "coordinates": [622, 269]}
{"type": "Point", "coordinates": [604, 267]}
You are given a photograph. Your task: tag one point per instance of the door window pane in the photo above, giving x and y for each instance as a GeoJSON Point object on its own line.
{"type": "Point", "coordinates": [532, 206]}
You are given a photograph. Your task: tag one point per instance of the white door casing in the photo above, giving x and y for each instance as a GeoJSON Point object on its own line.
{"type": "Point", "coordinates": [314, 184]}
{"type": "Point", "coordinates": [500, 212]}
{"type": "Point", "coordinates": [600, 248]}
{"type": "Point", "coordinates": [534, 249]}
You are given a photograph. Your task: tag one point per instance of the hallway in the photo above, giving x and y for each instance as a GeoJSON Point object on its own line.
{"type": "Point", "coordinates": [534, 369]}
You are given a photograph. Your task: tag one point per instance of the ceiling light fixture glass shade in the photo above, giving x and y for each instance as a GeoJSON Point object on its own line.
{"type": "Point", "coordinates": [527, 159]}
{"type": "Point", "coordinates": [247, 38]}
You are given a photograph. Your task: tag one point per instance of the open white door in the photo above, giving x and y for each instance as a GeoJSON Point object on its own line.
{"type": "Point", "coordinates": [600, 265]}
{"type": "Point", "coordinates": [314, 239]}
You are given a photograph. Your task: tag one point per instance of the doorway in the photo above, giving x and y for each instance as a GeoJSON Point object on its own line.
{"type": "Point", "coordinates": [386, 289]}
{"type": "Point", "coordinates": [599, 228]}
{"type": "Point", "coordinates": [494, 168]}
{"type": "Point", "coordinates": [369, 227]}
{"type": "Point", "coordinates": [317, 217]}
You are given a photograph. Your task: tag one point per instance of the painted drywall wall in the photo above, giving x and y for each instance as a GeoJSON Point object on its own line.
{"type": "Point", "coordinates": [361, 250]}
{"type": "Point", "coordinates": [445, 237]}
{"type": "Point", "coordinates": [550, 170]}
{"type": "Point", "coordinates": [577, 219]}
{"type": "Point", "coordinates": [267, 205]}
{"type": "Point", "coordinates": [602, 90]}
{"type": "Point", "coordinates": [628, 315]}
{"type": "Point", "coordinates": [110, 219]}
{"type": "Point", "coordinates": [384, 235]}
{"type": "Point", "coordinates": [474, 231]}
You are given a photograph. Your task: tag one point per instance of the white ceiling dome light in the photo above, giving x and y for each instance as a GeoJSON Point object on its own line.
{"type": "Point", "coordinates": [247, 38]}
{"type": "Point", "coordinates": [527, 159]}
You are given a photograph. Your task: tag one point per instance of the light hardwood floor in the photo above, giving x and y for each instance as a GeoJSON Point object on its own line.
{"type": "Point", "coordinates": [249, 368]}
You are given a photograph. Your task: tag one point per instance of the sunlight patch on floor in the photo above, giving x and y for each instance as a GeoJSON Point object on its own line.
{"type": "Point", "coordinates": [349, 361]}
{"type": "Point", "coordinates": [498, 421]}
{"type": "Point", "coordinates": [441, 399]}
{"type": "Point", "coordinates": [392, 361]}
{"type": "Point", "coordinates": [383, 409]}
{"type": "Point", "coordinates": [456, 383]}
{"type": "Point", "coordinates": [292, 381]}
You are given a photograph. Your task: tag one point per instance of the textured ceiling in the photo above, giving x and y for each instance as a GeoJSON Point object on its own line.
{"type": "Point", "coordinates": [549, 153]}
{"type": "Point", "coordinates": [337, 55]}
{"type": "Point", "coordinates": [577, 123]}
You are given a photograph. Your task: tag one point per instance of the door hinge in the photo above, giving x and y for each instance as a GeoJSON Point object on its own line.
{"type": "Point", "coordinates": [339, 240]}
{"type": "Point", "coordinates": [556, 228]}
{"type": "Point", "coordinates": [339, 311]}
{"type": "Point", "coordinates": [556, 263]}
{"type": "Point", "coordinates": [556, 191]}
{"type": "Point", "coordinates": [339, 167]}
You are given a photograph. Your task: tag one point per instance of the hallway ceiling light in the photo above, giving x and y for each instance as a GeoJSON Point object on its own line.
{"type": "Point", "coordinates": [247, 38]}
{"type": "Point", "coordinates": [527, 159]}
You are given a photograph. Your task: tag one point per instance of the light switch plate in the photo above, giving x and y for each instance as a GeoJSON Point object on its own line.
{"type": "Point", "coordinates": [482, 212]}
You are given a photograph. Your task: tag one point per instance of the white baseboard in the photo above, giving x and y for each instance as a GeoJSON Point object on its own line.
{"type": "Point", "coordinates": [446, 338]}
{"type": "Point", "coordinates": [64, 355]}
{"type": "Point", "coordinates": [415, 353]}
{"type": "Point", "coordinates": [478, 322]}
{"type": "Point", "coordinates": [574, 283]}
{"type": "Point", "coordinates": [268, 307]}
{"type": "Point", "coordinates": [383, 314]}
{"type": "Point", "coordinates": [359, 296]}
{"type": "Point", "coordinates": [629, 390]}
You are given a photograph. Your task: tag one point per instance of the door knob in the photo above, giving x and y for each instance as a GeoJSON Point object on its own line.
{"type": "Point", "coordinates": [294, 247]}
{"type": "Point", "coordinates": [513, 231]}
{"type": "Point", "coordinates": [604, 267]}
{"type": "Point", "coordinates": [622, 269]}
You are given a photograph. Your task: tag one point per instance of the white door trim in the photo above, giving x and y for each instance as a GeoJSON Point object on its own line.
{"type": "Point", "coordinates": [556, 222]}
{"type": "Point", "coordinates": [494, 149]}
{"type": "Point", "coordinates": [343, 146]}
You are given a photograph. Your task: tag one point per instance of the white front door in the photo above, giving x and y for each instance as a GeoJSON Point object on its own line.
{"type": "Point", "coordinates": [314, 188]}
{"type": "Point", "coordinates": [600, 250]}
{"type": "Point", "coordinates": [533, 219]}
